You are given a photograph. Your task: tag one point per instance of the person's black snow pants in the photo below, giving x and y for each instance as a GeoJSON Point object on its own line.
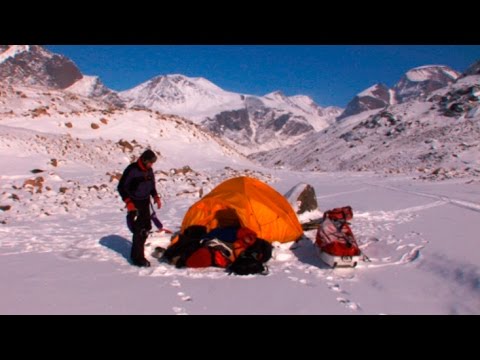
{"type": "Point", "coordinates": [141, 226]}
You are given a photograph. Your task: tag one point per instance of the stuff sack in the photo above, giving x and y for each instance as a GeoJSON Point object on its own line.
{"type": "Point", "coordinates": [334, 235]}
{"type": "Point", "coordinates": [188, 242]}
{"type": "Point", "coordinates": [253, 259]}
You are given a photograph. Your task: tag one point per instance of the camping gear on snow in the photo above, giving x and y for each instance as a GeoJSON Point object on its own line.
{"type": "Point", "coordinates": [335, 241]}
{"type": "Point", "coordinates": [257, 206]}
{"type": "Point", "coordinates": [194, 249]}
{"type": "Point", "coordinates": [185, 245]}
{"type": "Point", "coordinates": [253, 259]}
{"type": "Point", "coordinates": [211, 253]}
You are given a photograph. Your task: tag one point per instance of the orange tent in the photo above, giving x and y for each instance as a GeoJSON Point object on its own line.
{"type": "Point", "coordinates": [257, 206]}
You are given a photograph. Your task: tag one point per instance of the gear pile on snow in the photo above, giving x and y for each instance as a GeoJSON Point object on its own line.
{"type": "Point", "coordinates": [335, 240]}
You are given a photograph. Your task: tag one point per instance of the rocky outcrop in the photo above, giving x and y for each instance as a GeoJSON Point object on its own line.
{"type": "Point", "coordinates": [302, 198]}
{"type": "Point", "coordinates": [33, 65]}
{"type": "Point", "coordinates": [473, 69]}
{"type": "Point", "coordinates": [375, 97]}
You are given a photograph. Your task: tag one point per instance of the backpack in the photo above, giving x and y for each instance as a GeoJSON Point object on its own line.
{"type": "Point", "coordinates": [210, 253]}
{"type": "Point", "coordinates": [253, 259]}
{"type": "Point", "coordinates": [187, 243]}
{"type": "Point", "coordinates": [334, 235]}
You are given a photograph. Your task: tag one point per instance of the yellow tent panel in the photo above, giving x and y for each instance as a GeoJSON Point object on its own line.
{"type": "Point", "coordinates": [257, 206]}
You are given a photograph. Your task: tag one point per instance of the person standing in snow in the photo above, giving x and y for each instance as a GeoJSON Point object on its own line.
{"type": "Point", "coordinates": [136, 186]}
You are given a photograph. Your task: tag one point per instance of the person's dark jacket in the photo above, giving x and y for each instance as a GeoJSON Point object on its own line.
{"type": "Point", "coordinates": [137, 183]}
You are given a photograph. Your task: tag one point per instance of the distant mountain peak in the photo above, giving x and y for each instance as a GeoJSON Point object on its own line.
{"type": "Point", "coordinates": [373, 90]}
{"type": "Point", "coordinates": [376, 96]}
{"type": "Point", "coordinates": [427, 72]}
{"type": "Point", "coordinates": [34, 65]}
{"type": "Point", "coordinates": [276, 95]}
{"type": "Point", "coordinates": [303, 98]}
{"type": "Point", "coordinates": [419, 82]}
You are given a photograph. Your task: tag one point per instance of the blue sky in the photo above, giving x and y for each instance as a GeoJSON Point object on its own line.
{"type": "Point", "coordinates": [330, 74]}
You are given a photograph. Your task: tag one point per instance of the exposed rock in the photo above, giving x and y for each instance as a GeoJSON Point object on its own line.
{"type": "Point", "coordinates": [115, 176]}
{"type": "Point", "coordinates": [31, 184]}
{"type": "Point", "coordinates": [473, 69]}
{"type": "Point", "coordinates": [302, 198]}
{"type": "Point", "coordinates": [34, 65]}
{"type": "Point", "coordinates": [124, 144]}
{"type": "Point", "coordinates": [375, 97]}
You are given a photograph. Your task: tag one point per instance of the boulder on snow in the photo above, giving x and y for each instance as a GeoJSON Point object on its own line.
{"type": "Point", "coordinates": [302, 198]}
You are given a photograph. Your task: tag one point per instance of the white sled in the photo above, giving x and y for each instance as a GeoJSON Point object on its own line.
{"type": "Point", "coordinates": [338, 261]}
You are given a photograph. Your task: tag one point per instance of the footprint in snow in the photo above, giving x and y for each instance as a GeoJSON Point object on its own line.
{"type": "Point", "coordinates": [184, 297]}
{"type": "Point", "coordinates": [175, 283]}
{"type": "Point", "coordinates": [349, 304]}
{"type": "Point", "coordinates": [179, 310]}
{"type": "Point", "coordinates": [335, 287]}
{"type": "Point", "coordinates": [301, 281]}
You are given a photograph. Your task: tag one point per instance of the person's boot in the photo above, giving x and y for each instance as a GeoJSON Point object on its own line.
{"type": "Point", "coordinates": [141, 262]}
{"type": "Point", "coordinates": [138, 250]}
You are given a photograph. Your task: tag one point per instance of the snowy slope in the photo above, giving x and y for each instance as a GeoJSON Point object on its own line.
{"type": "Point", "coordinates": [64, 113]}
{"type": "Point", "coordinates": [91, 86]}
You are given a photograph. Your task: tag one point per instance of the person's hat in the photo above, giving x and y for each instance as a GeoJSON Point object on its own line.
{"type": "Point", "coordinates": [148, 156]}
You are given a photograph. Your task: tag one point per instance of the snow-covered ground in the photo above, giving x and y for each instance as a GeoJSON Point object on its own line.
{"type": "Point", "coordinates": [67, 252]}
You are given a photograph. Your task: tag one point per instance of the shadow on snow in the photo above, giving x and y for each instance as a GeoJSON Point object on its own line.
{"type": "Point", "coordinates": [118, 244]}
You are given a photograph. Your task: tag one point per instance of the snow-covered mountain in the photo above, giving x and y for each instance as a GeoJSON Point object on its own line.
{"type": "Point", "coordinates": [302, 105]}
{"type": "Point", "coordinates": [192, 98]}
{"type": "Point", "coordinates": [422, 81]}
{"type": "Point", "coordinates": [253, 122]}
{"type": "Point", "coordinates": [34, 65]}
{"type": "Point", "coordinates": [375, 97]}
{"type": "Point", "coordinates": [435, 137]}
{"type": "Point", "coordinates": [416, 84]}
{"type": "Point", "coordinates": [92, 87]}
